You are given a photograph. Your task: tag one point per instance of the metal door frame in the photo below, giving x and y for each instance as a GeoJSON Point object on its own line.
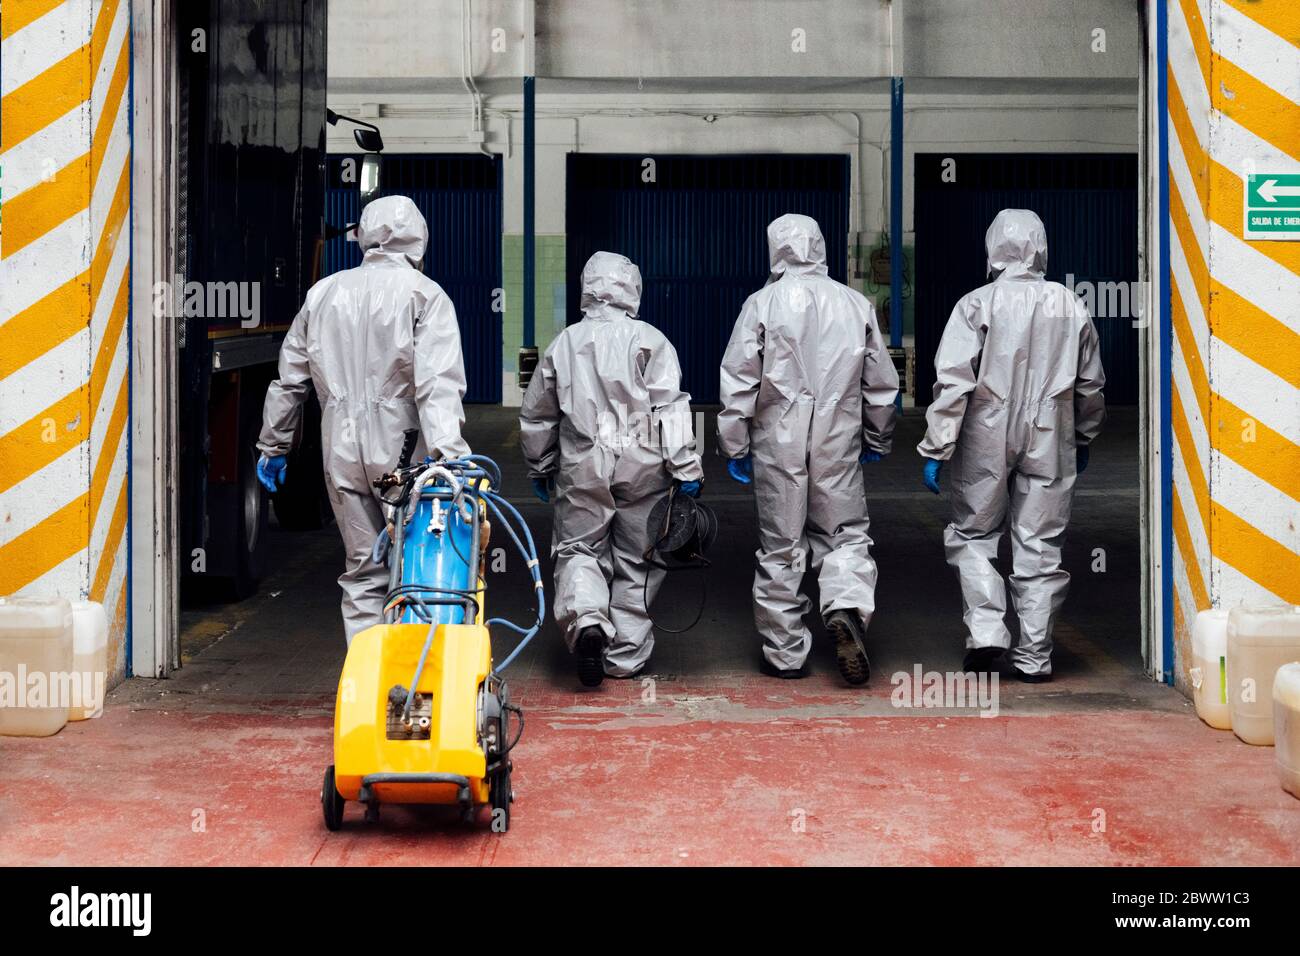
{"type": "Point", "coordinates": [152, 630]}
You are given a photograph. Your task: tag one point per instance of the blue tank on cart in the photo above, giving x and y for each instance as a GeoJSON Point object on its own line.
{"type": "Point", "coordinates": [433, 559]}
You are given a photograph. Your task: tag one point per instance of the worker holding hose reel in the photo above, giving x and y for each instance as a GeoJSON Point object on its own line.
{"type": "Point", "coordinates": [606, 430]}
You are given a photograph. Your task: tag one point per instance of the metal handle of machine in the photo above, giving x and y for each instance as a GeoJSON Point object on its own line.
{"type": "Point", "coordinates": [371, 779]}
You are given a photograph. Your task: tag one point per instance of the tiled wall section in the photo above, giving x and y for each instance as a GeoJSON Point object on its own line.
{"type": "Point", "coordinates": [548, 294]}
{"type": "Point", "coordinates": [878, 292]}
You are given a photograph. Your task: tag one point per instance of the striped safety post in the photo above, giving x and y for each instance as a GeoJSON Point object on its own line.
{"type": "Point", "coordinates": [1233, 82]}
{"type": "Point", "coordinates": [65, 188]}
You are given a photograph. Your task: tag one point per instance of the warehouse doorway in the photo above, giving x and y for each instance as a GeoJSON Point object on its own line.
{"type": "Point", "coordinates": [460, 198]}
{"type": "Point", "coordinates": [696, 228]}
{"type": "Point", "coordinates": [271, 227]}
{"type": "Point", "coordinates": [1089, 204]}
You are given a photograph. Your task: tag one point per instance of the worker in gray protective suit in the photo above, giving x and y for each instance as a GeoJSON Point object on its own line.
{"type": "Point", "coordinates": [606, 430]}
{"type": "Point", "coordinates": [808, 392]}
{"type": "Point", "coordinates": [380, 345]}
{"type": "Point", "coordinates": [1017, 401]}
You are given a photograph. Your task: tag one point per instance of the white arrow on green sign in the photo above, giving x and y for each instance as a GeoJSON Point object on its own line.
{"type": "Point", "coordinates": [1272, 206]}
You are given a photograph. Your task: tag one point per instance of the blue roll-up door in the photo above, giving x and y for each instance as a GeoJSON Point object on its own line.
{"type": "Point", "coordinates": [460, 197]}
{"type": "Point", "coordinates": [1088, 204]}
{"type": "Point", "coordinates": [697, 231]}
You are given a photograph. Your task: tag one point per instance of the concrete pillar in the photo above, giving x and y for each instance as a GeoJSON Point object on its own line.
{"type": "Point", "coordinates": [1233, 99]}
{"type": "Point", "coordinates": [64, 293]}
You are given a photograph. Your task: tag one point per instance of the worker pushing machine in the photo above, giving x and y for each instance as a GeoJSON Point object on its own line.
{"type": "Point", "coordinates": [808, 391]}
{"type": "Point", "coordinates": [1017, 403]}
{"type": "Point", "coordinates": [380, 345]}
{"type": "Point", "coordinates": [606, 430]}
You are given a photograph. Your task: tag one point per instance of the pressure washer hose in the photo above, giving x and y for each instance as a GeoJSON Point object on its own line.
{"type": "Point", "coordinates": [419, 669]}
{"type": "Point", "coordinates": [500, 507]}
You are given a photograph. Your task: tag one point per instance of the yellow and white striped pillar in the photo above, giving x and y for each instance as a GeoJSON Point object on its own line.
{"type": "Point", "coordinates": [65, 189]}
{"type": "Point", "coordinates": [1233, 97]}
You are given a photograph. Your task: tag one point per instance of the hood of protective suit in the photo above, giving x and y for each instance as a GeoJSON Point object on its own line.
{"type": "Point", "coordinates": [1017, 244]}
{"type": "Point", "coordinates": [795, 245]}
{"type": "Point", "coordinates": [611, 287]}
{"type": "Point", "coordinates": [393, 225]}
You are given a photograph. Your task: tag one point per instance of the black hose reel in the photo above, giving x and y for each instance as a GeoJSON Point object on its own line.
{"type": "Point", "coordinates": [680, 531]}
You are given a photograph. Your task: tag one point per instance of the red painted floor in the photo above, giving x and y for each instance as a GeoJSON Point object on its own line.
{"type": "Point", "coordinates": [222, 763]}
{"type": "Point", "coordinates": [764, 774]}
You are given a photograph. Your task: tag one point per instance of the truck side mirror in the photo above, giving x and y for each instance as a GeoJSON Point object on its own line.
{"type": "Point", "coordinates": [369, 139]}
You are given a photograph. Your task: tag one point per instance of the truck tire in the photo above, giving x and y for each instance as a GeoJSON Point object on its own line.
{"type": "Point", "coordinates": [302, 504]}
{"type": "Point", "coordinates": [250, 534]}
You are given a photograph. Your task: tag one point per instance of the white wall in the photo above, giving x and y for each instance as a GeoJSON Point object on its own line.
{"type": "Point", "coordinates": [412, 45]}
{"type": "Point", "coordinates": [1021, 39]}
{"type": "Point", "coordinates": [724, 38]}
{"type": "Point", "coordinates": [396, 43]}
{"type": "Point", "coordinates": [640, 76]}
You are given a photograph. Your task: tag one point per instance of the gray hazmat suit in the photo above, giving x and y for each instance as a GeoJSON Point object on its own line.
{"type": "Point", "coordinates": [1018, 382]}
{"type": "Point", "coordinates": [807, 382]}
{"type": "Point", "coordinates": [605, 415]}
{"type": "Point", "coordinates": [381, 347]}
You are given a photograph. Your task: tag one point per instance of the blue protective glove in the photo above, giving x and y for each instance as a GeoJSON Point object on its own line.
{"type": "Point", "coordinates": [1081, 459]}
{"type": "Point", "coordinates": [542, 489]}
{"type": "Point", "coordinates": [931, 478]}
{"type": "Point", "coordinates": [868, 456]}
{"type": "Point", "coordinates": [690, 489]}
{"type": "Point", "coordinates": [270, 472]}
{"type": "Point", "coordinates": [379, 550]}
{"type": "Point", "coordinates": [741, 469]}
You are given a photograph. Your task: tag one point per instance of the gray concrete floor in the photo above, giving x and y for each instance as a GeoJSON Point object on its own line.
{"type": "Point", "coordinates": [285, 646]}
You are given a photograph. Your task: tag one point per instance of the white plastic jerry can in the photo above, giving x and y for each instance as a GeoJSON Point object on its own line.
{"type": "Point", "coordinates": [89, 659]}
{"type": "Point", "coordinates": [35, 665]}
{"type": "Point", "coordinates": [1260, 640]}
{"type": "Point", "coordinates": [1209, 671]}
{"type": "Point", "coordinates": [1286, 726]}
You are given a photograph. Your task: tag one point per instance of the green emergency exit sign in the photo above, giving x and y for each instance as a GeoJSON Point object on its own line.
{"type": "Point", "coordinates": [1272, 206]}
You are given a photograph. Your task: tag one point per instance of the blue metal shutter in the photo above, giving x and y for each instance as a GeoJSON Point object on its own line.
{"type": "Point", "coordinates": [699, 235]}
{"type": "Point", "coordinates": [1088, 204]}
{"type": "Point", "coordinates": [460, 197]}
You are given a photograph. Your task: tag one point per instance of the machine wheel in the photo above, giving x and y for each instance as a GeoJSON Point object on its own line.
{"type": "Point", "coordinates": [501, 796]}
{"type": "Point", "coordinates": [331, 801]}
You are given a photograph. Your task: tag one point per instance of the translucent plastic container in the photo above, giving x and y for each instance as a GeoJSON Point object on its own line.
{"type": "Point", "coordinates": [1210, 668]}
{"type": "Point", "coordinates": [1260, 640]}
{"type": "Point", "coordinates": [1286, 726]}
{"type": "Point", "coordinates": [35, 659]}
{"type": "Point", "coordinates": [89, 659]}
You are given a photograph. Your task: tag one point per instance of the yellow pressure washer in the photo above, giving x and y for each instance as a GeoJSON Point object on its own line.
{"type": "Point", "coordinates": [422, 714]}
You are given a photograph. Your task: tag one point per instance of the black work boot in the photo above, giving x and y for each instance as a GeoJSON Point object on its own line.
{"type": "Point", "coordinates": [768, 669]}
{"type": "Point", "coordinates": [642, 671]}
{"type": "Point", "coordinates": [589, 649]}
{"type": "Point", "coordinates": [982, 660]}
{"type": "Point", "coordinates": [1006, 668]}
{"type": "Point", "coordinates": [850, 646]}
{"type": "Point", "coordinates": [1026, 678]}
